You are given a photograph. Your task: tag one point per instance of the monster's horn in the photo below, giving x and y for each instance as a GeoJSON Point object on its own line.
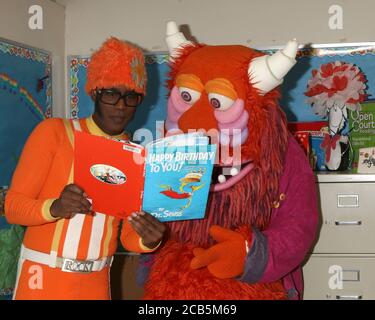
{"type": "Point", "coordinates": [267, 72]}
{"type": "Point", "coordinates": [174, 39]}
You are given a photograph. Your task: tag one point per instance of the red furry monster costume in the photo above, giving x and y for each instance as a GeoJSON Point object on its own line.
{"type": "Point", "coordinates": [261, 217]}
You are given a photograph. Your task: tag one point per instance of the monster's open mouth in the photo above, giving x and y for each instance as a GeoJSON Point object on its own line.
{"type": "Point", "coordinates": [228, 172]}
{"type": "Point", "coordinates": [224, 177]}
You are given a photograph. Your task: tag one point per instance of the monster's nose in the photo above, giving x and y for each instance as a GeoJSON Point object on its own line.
{"type": "Point", "coordinates": [199, 116]}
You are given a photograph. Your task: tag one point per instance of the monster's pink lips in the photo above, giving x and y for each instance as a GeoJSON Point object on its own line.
{"type": "Point", "coordinates": [233, 180]}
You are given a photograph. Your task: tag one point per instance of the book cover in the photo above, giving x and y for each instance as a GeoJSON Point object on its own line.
{"type": "Point", "coordinates": [177, 180]}
{"type": "Point", "coordinates": [303, 130]}
{"type": "Point", "coordinates": [307, 126]}
{"type": "Point", "coordinates": [310, 136]}
{"type": "Point", "coordinates": [317, 154]}
{"type": "Point", "coordinates": [362, 129]}
{"type": "Point", "coordinates": [172, 182]}
{"type": "Point", "coordinates": [366, 160]}
{"type": "Point", "coordinates": [110, 172]}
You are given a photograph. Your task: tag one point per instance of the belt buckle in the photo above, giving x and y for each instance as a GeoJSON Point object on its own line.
{"type": "Point", "coordinates": [80, 266]}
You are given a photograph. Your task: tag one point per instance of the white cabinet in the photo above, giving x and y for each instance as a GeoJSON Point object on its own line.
{"type": "Point", "coordinates": [342, 262]}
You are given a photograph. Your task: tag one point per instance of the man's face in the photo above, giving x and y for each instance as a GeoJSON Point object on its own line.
{"type": "Point", "coordinates": [113, 118]}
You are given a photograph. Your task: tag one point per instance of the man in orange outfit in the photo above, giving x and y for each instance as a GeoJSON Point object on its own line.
{"type": "Point", "coordinates": [67, 250]}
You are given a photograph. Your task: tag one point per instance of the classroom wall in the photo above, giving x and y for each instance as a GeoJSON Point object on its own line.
{"type": "Point", "coordinates": [80, 26]}
{"type": "Point", "coordinates": [249, 22]}
{"type": "Point", "coordinates": [14, 19]}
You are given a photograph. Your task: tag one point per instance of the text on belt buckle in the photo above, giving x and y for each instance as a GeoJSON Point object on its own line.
{"type": "Point", "coordinates": [72, 265]}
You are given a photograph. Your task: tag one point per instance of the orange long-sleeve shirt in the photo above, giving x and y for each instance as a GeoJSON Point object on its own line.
{"type": "Point", "coordinates": [44, 169]}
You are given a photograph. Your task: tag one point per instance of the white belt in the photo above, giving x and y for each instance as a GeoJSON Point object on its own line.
{"type": "Point", "coordinates": [65, 264]}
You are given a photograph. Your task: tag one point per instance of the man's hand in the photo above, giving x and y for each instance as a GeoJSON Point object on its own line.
{"type": "Point", "coordinates": [224, 260]}
{"type": "Point", "coordinates": [150, 229]}
{"type": "Point", "coordinates": [72, 200]}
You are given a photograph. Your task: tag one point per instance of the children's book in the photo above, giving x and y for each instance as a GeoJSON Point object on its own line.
{"type": "Point", "coordinates": [168, 178]}
{"type": "Point", "coordinates": [310, 136]}
{"type": "Point", "coordinates": [366, 160]}
{"type": "Point", "coordinates": [362, 129]}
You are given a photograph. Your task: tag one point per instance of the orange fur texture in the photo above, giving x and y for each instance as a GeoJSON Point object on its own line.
{"type": "Point", "coordinates": [116, 63]}
{"type": "Point", "coordinates": [171, 276]}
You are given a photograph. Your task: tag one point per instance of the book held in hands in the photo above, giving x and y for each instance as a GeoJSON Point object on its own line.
{"type": "Point", "coordinates": [168, 178]}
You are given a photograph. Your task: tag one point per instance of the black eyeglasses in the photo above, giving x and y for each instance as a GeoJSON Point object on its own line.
{"type": "Point", "coordinates": [113, 96]}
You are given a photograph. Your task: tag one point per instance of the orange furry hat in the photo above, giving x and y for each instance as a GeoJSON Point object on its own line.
{"type": "Point", "coordinates": [116, 63]}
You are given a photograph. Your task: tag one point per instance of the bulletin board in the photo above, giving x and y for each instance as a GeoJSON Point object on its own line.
{"type": "Point", "coordinates": [312, 58]}
{"type": "Point", "coordinates": [25, 100]}
{"type": "Point", "coordinates": [293, 99]}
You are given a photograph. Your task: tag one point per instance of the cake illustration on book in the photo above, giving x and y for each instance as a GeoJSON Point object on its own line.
{"type": "Point", "coordinates": [168, 178]}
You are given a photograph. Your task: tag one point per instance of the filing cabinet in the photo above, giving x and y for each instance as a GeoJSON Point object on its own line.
{"type": "Point", "coordinates": [341, 264]}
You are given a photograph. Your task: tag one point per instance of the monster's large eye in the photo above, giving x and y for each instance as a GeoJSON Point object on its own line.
{"type": "Point", "coordinates": [189, 96]}
{"type": "Point", "coordinates": [220, 102]}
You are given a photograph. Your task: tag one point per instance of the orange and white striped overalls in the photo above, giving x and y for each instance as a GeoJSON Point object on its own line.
{"type": "Point", "coordinates": [51, 246]}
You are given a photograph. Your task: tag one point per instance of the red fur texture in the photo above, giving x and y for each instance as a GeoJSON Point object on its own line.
{"type": "Point", "coordinates": [267, 121]}
{"type": "Point", "coordinates": [226, 209]}
{"type": "Point", "coordinates": [247, 203]}
{"type": "Point", "coordinates": [266, 144]}
{"type": "Point", "coordinates": [171, 278]}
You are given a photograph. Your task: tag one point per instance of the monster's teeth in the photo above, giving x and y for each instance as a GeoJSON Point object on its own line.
{"type": "Point", "coordinates": [221, 178]}
{"type": "Point", "coordinates": [234, 171]}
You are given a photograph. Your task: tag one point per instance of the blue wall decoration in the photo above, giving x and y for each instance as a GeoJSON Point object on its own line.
{"type": "Point", "coordinates": [295, 83]}
{"type": "Point", "coordinates": [25, 100]}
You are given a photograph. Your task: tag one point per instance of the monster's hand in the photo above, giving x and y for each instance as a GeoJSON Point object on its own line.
{"type": "Point", "coordinates": [226, 259]}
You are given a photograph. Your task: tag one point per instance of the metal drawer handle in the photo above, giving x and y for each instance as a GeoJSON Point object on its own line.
{"type": "Point", "coordinates": [348, 223]}
{"type": "Point", "coordinates": [342, 297]}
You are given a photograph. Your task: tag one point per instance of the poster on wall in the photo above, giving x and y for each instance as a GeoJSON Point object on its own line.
{"type": "Point", "coordinates": [334, 83]}
{"type": "Point", "coordinates": [25, 100]}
